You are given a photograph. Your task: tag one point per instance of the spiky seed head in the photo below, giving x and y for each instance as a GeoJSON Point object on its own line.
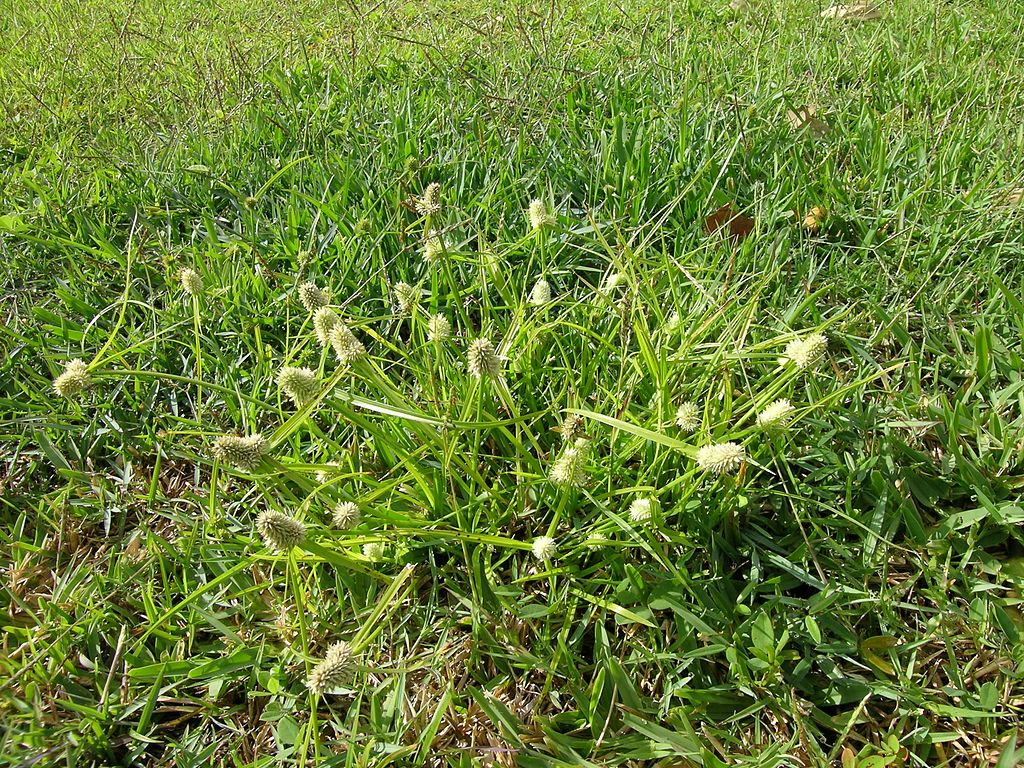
{"type": "Point", "coordinates": [721, 458]}
{"type": "Point", "coordinates": [572, 427]}
{"type": "Point", "coordinates": [313, 298]}
{"type": "Point", "coordinates": [688, 417]}
{"type": "Point", "coordinates": [805, 353]}
{"type": "Point", "coordinates": [430, 203]}
{"type": "Point", "coordinates": [483, 359]}
{"type": "Point", "coordinates": [641, 510]}
{"type": "Point", "coordinates": [324, 319]}
{"type": "Point", "coordinates": [191, 282]}
{"type": "Point", "coordinates": [439, 328]}
{"type": "Point", "coordinates": [412, 165]}
{"type": "Point", "coordinates": [776, 415]}
{"type": "Point", "coordinates": [298, 383]}
{"type": "Point", "coordinates": [346, 515]}
{"type": "Point", "coordinates": [334, 671]}
{"type": "Point", "coordinates": [569, 469]}
{"type": "Point", "coordinates": [406, 297]}
{"type": "Point", "coordinates": [73, 380]}
{"type": "Point", "coordinates": [433, 247]}
{"type": "Point", "coordinates": [539, 216]}
{"type": "Point", "coordinates": [544, 548]}
{"type": "Point", "coordinates": [373, 550]}
{"type": "Point", "coordinates": [345, 343]}
{"type": "Point", "coordinates": [541, 293]}
{"type": "Point", "coordinates": [279, 531]}
{"type": "Point", "coordinates": [242, 452]}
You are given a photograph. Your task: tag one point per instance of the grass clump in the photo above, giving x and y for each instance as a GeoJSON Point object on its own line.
{"type": "Point", "coordinates": [650, 401]}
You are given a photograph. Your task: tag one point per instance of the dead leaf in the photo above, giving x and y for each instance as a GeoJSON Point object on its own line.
{"type": "Point", "coordinates": [740, 6]}
{"type": "Point", "coordinates": [813, 219]}
{"type": "Point", "coordinates": [860, 11]}
{"type": "Point", "coordinates": [805, 118]}
{"type": "Point", "coordinates": [729, 216]}
{"type": "Point", "coordinates": [1015, 197]}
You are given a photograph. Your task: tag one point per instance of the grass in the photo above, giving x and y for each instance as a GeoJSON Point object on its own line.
{"type": "Point", "coordinates": [849, 594]}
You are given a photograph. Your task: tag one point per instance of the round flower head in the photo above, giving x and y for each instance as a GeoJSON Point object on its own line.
{"type": "Point", "coordinates": [312, 298]}
{"type": "Point", "coordinates": [439, 328]}
{"type": "Point", "coordinates": [572, 427]}
{"type": "Point", "coordinates": [805, 353]}
{"type": "Point", "coordinates": [433, 247]}
{"type": "Point", "coordinates": [242, 452]}
{"type": "Point", "coordinates": [568, 469]}
{"type": "Point", "coordinates": [776, 415]}
{"type": "Point", "coordinates": [334, 671]}
{"type": "Point", "coordinates": [191, 282]}
{"type": "Point", "coordinates": [373, 550]}
{"type": "Point", "coordinates": [541, 293]}
{"type": "Point", "coordinates": [721, 458]}
{"type": "Point", "coordinates": [406, 297]}
{"type": "Point", "coordinates": [539, 216]}
{"type": "Point", "coordinates": [280, 532]}
{"type": "Point", "coordinates": [73, 380]}
{"type": "Point", "coordinates": [483, 359]}
{"type": "Point", "coordinates": [345, 343]}
{"type": "Point", "coordinates": [430, 203]}
{"type": "Point", "coordinates": [672, 323]}
{"type": "Point", "coordinates": [298, 383]}
{"type": "Point", "coordinates": [641, 510]}
{"type": "Point", "coordinates": [688, 417]}
{"type": "Point", "coordinates": [324, 319]}
{"type": "Point", "coordinates": [346, 515]}
{"type": "Point", "coordinates": [544, 548]}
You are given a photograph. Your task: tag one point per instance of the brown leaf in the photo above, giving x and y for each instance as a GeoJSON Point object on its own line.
{"type": "Point", "coordinates": [805, 118]}
{"type": "Point", "coordinates": [729, 216]}
{"type": "Point", "coordinates": [859, 11]}
{"type": "Point", "coordinates": [813, 219]}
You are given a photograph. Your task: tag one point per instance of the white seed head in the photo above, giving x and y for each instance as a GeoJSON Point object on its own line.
{"type": "Point", "coordinates": [324, 319]}
{"type": "Point", "coordinates": [279, 531]}
{"type": "Point", "coordinates": [298, 383]}
{"type": "Point", "coordinates": [313, 298]}
{"type": "Point", "coordinates": [483, 359]}
{"type": "Point", "coordinates": [334, 671]}
{"type": "Point", "coordinates": [191, 282]}
{"type": "Point", "coordinates": [406, 297]}
{"type": "Point", "coordinates": [539, 216]}
{"type": "Point", "coordinates": [373, 550]}
{"type": "Point", "coordinates": [721, 458]}
{"type": "Point", "coordinates": [688, 417]}
{"type": "Point", "coordinates": [541, 293]}
{"type": "Point", "coordinates": [611, 283]}
{"type": "Point", "coordinates": [544, 548]}
{"type": "Point", "coordinates": [345, 343]}
{"type": "Point", "coordinates": [430, 203]}
{"type": "Point", "coordinates": [439, 328]}
{"type": "Point", "coordinates": [572, 427]}
{"type": "Point", "coordinates": [73, 380]}
{"type": "Point", "coordinates": [569, 469]}
{"type": "Point", "coordinates": [805, 353]}
{"type": "Point", "coordinates": [346, 515]}
{"type": "Point", "coordinates": [433, 247]}
{"type": "Point", "coordinates": [641, 510]}
{"type": "Point", "coordinates": [242, 452]}
{"type": "Point", "coordinates": [776, 415]}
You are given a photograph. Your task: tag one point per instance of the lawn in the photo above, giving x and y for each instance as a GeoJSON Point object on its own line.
{"type": "Point", "coordinates": [478, 383]}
